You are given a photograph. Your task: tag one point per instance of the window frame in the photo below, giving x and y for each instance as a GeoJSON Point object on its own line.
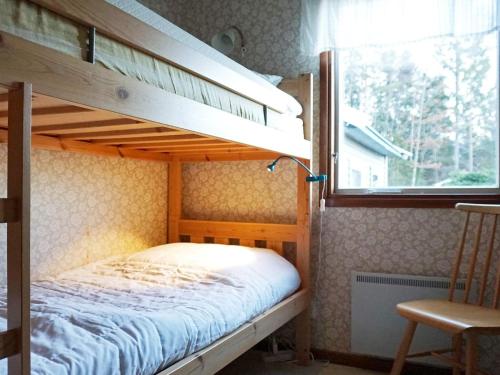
{"type": "Point", "coordinates": [328, 147]}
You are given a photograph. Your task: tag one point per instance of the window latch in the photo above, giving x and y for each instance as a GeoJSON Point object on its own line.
{"type": "Point", "coordinates": [335, 156]}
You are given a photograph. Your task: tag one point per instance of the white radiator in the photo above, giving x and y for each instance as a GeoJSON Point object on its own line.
{"type": "Point", "coordinates": [376, 327]}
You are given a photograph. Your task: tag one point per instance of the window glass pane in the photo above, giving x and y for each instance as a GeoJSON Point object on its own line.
{"type": "Point", "coordinates": [420, 115]}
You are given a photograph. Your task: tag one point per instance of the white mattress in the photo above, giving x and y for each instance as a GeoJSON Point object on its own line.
{"type": "Point", "coordinates": [146, 15]}
{"type": "Point", "coordinates": [138, 314]}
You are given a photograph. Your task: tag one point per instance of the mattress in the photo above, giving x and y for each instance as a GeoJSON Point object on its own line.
{"type": "Point", "coordinates": [138, 314]}
{"type": "Point", "coordinates": [29, 21]}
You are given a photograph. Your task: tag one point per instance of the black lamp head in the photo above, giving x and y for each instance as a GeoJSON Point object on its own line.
{"type": "Point", "coordinates": [271, 167]}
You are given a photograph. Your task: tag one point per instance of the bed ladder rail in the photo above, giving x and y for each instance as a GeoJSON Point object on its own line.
{"type": "Point", "coordinates": [15, 211]}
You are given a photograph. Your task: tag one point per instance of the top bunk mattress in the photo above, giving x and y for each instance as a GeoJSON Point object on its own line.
{"type": "Point", "coordinates": [140, 313]}
{"type": "Point", "coordinates": [31, 22]}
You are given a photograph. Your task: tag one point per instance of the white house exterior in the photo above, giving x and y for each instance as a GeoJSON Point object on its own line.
{"type": "Point", "coordinates": [364, 153]}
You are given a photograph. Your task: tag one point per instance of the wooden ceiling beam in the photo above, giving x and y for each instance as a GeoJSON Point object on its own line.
{"type": "Point", "coordinates": [162, 138]}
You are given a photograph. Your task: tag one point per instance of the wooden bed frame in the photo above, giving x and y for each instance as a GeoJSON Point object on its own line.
{"type": "Point", "coordinates": [53, 101]}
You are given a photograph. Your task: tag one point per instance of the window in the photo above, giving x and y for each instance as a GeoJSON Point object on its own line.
{"type": "Point", "coordinates": [412, 124]}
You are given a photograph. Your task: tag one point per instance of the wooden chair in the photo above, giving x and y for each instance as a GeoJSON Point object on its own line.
{"type": "Point", "coordinates": [462, 319]}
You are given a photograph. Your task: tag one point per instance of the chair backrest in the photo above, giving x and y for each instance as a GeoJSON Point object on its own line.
{"type": "Point", "coordinates": [483, 210]}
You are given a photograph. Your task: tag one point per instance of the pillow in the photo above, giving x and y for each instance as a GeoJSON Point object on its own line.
{"type": "Point", "coordinates": [272, 79]}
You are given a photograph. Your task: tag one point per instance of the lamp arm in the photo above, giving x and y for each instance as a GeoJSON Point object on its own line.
{"type": "Point", "coordinates": [297, 161]}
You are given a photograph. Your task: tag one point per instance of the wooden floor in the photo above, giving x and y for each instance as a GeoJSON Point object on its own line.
{"type": "Point", "coordinates": [251, 364]}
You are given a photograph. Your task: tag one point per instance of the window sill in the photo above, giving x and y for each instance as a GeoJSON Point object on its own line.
{"type": "Point", "coordinates": [408, 201]}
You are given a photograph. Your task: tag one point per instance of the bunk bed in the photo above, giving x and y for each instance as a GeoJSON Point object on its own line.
{"type": "Point", "coordinates": [56, 99]}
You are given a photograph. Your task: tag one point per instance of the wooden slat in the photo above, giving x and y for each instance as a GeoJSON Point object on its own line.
{"type": "Point", "coordinates": [237, 152]}
{"type": "Point", "coordinates": [175, 201]}
{"type": "Point", "coordinates": [48, 111]}
{"type": "Point", "coordinates": [473, 259]}
{"type": "Point", "coordinates": [253, 231]}
{"type": "Point", "coordinates": [84, 126]}
{"type": "Point", "coordinates": [496, 295]}
{"type": "Point", "coordinates": [181, 144]}
{"type": "Point", "coordinates": [9, 343]}
{"type": "Point", "coordinates": [276, 246]}
{"type": "Point", "coordinates": [214, 156]}
{"type": "Point", "coordinates": [221, 240]}
{"type": "Point", "coordinates": [197, 239]}
{"type": "Point", "coordinates": [64, 115]}
{"type": "Point", "coordinates": [37, 102]}
{"type": "Point", "coordinates": [487, 261]}
{"type": "Point", "coordinates": [56, 144]}
{"type": "Point", "coordinates": [204, 149]}
{"type": "Point", "coordinates": [160, 138]}
{"type": "Point", "coordinates": [216, 356]}
{"type": "Point", "coordinates": [118, 25]}
{"type": "Point", "coordinates": [145, 132]}
{"type": "Point", "coordinates": [8, 210]}
{"type": "Point", "coordinates": [137, 154]}
{"type": "Point", "coordinates": [458, 259]}
{"type": "Point", "coordinates": [61, 76]}
{"type": "Point", "coordinates": [247, 242]}
{"type": "Point", "coordinates": [18, 232]}
{"type": "Point", "coordinates": [40, 101]}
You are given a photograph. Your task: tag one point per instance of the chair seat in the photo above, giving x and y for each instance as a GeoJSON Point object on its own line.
{"type": "Point", "coordinates": [451, 316]}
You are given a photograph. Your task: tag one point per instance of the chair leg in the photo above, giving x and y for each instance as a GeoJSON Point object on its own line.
{"type": "Point", "coordinates": [471, 355]}
{"type": "Point", "coordinates": [457, 348]}
{"type": "Point", "coordinates": [404, 347]}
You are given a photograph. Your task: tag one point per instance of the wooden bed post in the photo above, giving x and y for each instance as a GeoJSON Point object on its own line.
{"type": "Point", "coordinates": [18, 231]}
{"type": "Point", "coordinates": [174, 199]}
{"type": "Point", "coordinates": [303, 323]}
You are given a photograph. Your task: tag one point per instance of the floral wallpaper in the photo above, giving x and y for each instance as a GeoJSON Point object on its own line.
{"type": "Point", "coordinates": [86, 208]}
{"type": "Point", "coordinates": [413, 241]}
{"type": "Point", "coordinates": [230, 191]}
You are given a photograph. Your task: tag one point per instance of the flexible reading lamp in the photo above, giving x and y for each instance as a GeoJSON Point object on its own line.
{"type": "Point", "coordinates": [311, 178]}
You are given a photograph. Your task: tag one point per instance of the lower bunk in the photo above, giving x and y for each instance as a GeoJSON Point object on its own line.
{"type": "Point", "coordinates": [180, 308]}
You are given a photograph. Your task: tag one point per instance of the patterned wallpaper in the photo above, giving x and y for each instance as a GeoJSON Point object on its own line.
{"type": "Point", "coordinates": [228, 191]}
{"type": "Point", "coordinates": [86, 208]}
{"type": "Point", "coordinates": [413, 241]}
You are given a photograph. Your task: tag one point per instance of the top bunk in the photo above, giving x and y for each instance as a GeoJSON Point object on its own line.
{"type": "Point", "coordinates": [105, 81]}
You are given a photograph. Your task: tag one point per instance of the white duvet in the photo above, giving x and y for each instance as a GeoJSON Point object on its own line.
{"type": "Point", "coordinates": [137, 314]}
